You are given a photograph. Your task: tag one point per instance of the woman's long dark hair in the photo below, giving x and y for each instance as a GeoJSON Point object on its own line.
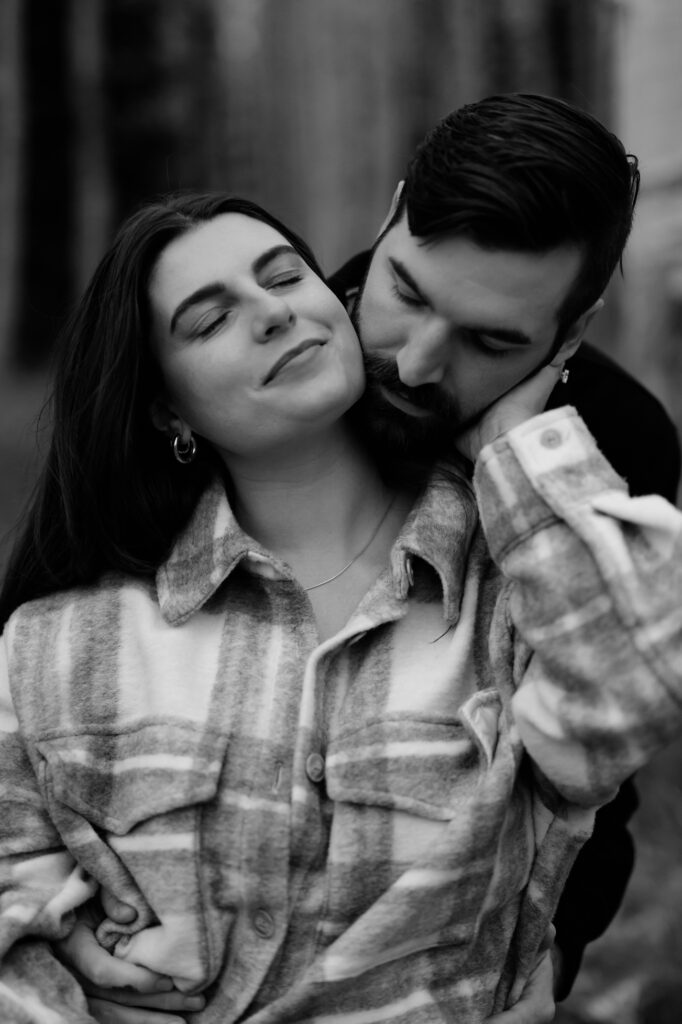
{"type": "Point", "coordinates": [111, 496]}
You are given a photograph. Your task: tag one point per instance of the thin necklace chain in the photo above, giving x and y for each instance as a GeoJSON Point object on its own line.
{"type": "Point", "coordinates": [360, 552]}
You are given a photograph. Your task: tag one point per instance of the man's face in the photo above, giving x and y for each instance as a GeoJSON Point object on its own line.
{"type": "Point", "coordinates": [448, 327]}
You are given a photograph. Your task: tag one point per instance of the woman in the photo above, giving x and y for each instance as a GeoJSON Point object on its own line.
{"type": "Point", "coordinates": [279, 728]}
{"type": "Point", "coordinates": [84, 521]}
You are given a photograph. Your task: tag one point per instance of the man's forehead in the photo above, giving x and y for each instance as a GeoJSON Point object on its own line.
{"type": "Point", "coordinates": [454, 268]}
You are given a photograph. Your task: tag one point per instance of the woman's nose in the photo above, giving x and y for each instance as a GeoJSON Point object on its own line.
{"type": "Point", "coordinates": [273, 315]}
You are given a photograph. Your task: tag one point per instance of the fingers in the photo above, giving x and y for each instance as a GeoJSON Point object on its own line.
{"type": "Point", "coordinates": [164, 1002]}
{"type": "Point", "coordinates": [116, 909]}
{"type": "Point", "coordinates": [111, 1013]}
{"type": "Point", "coordinates": [536, 1005]}
{"type": "Point", "coordinates": [82, 952]}
{"type": "Point", "coordinates": [521, 402]}
{"type": "Point", "coordinates": [533, 393]}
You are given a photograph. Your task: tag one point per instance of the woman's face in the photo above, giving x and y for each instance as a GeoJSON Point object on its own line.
{"type": "Point", "coordinates": [255, 351]}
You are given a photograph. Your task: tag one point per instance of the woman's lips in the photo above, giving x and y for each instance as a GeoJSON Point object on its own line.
{"type": "Point", "coordinates": [290, 354]}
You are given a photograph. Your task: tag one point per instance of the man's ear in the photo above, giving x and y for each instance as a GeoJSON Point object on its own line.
{"type": "Point", "coordinates": [392, 208]}
{"type": "Point", "coordinates": [574, 335]}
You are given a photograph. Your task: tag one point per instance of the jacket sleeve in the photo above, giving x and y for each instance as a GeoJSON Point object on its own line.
{"type": "Point", "coordinates": [40, 883]}
{"type": "Point", "coordinates": [643, 446]}
{"type": "Point", "coordinates": [595, 594]}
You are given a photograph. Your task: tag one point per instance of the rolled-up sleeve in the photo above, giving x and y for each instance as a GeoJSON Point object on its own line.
{"type": "Point", "coordinates": [595, 592]}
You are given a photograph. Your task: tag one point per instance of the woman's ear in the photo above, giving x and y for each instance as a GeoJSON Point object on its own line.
{"type": "Point", "coordinates": [574, 336]}
{"type": "Point", "coordinates": [165, 420]}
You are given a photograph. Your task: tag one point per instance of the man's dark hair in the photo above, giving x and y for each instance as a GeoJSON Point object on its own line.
{"type": "Point", "coordinates": [527, 173]}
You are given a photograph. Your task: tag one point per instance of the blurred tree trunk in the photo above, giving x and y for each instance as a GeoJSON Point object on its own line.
{"type": "Point", "coordinates": [11, 126]}
{"type": "Point", "coordinates": [320, 103]}
{"type": "Point", "coordinates": [240, 88]}
{"type": "Point", "coordinates": [157, 84]}
{"type": "Point", "coordinates": [454, 42]}
{"type": "Point", "coordinates": [92, 192]}
{"type": "Point", "coordinates": [46, 279]}
{"type": "Point", "coordinates": [523, 54]}
{"type": "Point", "coordinates": [356, 92]}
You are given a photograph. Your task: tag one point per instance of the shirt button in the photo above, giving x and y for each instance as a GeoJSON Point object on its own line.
{"type": "Point", "coordinates": [314, 767]}
{"type": "Point", "coordinates": [263, 924]}
{"type": "Point", "coordinates": [550, 439]}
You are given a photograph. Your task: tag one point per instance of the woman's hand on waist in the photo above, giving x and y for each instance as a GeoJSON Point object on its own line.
{"type": "Point", "coordinates": [119, 992]}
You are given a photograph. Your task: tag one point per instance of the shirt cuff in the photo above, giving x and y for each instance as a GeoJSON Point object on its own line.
{"type": "Point", "coordinates": [534, 473]}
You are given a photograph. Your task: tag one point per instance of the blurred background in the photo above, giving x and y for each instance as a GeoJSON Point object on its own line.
{"type": "Point", "coordinates": [312, 107]}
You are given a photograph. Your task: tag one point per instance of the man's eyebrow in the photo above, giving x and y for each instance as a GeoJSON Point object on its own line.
{"type": "Point", "coordinates": [511, 335]}
{"type": "Point", "coordinates": [216, 289]}
{"type": "Point", "coordinates": [406, 277]}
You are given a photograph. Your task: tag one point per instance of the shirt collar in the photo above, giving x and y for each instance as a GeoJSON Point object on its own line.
{"type": "Point", "coordinates": [439, 530]}
{"type": "Point", "coordinates": [205, 552]}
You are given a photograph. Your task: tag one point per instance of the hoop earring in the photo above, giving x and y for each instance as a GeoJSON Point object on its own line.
{"type": "Point", "coordinates": [184, 453]}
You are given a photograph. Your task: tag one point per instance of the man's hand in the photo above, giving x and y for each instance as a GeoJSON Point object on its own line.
{"type": "Point", "coordinates": [536, 1005]}
{"type": "Point", "coordinates": [524, 401]}
{"type": "Point", "coordinates": [119, 992]}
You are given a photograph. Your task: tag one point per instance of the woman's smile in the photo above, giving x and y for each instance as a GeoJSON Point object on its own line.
{"type": "Point", "coordinates": [294, 358]}
{"type": "Point", "coordinates": [241, 322]}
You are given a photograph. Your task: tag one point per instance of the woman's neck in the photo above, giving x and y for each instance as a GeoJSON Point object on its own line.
{"type": "Point", "coordinates": [325, 511]}
{"type": "Point", "coordinates": [326, 491]}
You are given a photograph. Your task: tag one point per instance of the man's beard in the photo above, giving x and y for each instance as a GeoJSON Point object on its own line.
{"type": "Point", "coordinates": [398, 435]}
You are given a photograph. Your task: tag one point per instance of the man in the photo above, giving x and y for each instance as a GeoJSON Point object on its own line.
{"type": "Point", "coordinates": [498, 247]}
{"type": "Point", "coordinates": [512, 219]}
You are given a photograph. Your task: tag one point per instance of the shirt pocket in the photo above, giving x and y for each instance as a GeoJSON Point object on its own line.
{"type": "Point", "coordinates": [425, 766]}
{"type": "Point", "coordinates": [132, 808]}
{"type": "Point", "coordinates": [431, 805]}
{"type": "Point", "coordinates": [116, 781]}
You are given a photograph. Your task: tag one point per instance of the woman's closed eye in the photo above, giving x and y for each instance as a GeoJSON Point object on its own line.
{"type": "Point", "coordinates": [210, 322]}
{"type": "Point", "coordinates": [285, 279]}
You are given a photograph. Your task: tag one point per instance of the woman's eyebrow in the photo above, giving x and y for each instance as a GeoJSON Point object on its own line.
{"type": "Point", "coordinates": [216, 289]}
{"type": "Point", "coordinates": [261, 262]}
{"type": "Point", "coordinates": [209, 291]}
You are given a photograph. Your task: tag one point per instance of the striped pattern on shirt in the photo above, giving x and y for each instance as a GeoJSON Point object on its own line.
{"type": "Point", "coordinates": [350, 831]}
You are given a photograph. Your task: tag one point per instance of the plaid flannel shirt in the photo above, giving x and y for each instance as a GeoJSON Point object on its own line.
{"type": "Point", "coordinates": [346, 831]}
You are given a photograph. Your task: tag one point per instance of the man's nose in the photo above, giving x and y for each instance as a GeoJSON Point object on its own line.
{"type": "Point", "coordinates": [273, 315]}
{"type": "Point", "coordinates": [424, 358]}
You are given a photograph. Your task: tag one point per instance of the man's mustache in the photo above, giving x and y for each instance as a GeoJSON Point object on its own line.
{"type": "Point", "coordinates": [435, 399]}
